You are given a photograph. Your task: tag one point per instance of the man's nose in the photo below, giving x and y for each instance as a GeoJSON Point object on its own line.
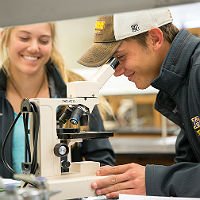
{"type": "Point", "coordinates": [119, 70]}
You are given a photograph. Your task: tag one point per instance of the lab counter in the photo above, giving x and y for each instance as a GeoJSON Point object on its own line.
{"type": "Point", "coordinates": [144, 130]}
{"type": "Point", "coordinates": [144, 146]}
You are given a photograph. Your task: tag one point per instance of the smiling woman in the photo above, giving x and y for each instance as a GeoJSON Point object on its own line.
{"type": "Point", "coordinates": [24, 57]}
{"type": "Point", "coordinates": [33, 67]}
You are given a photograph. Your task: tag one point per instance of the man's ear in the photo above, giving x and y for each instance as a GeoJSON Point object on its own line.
{"type": "Point", "coordinates": [156, 38]}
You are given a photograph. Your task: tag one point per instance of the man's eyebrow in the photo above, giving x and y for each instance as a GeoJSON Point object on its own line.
{"type": "Point", "coordinates": [117, 52]}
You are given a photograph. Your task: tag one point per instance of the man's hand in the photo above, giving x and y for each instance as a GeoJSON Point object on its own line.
{"type": "Point", "coordinates": [122, 179]}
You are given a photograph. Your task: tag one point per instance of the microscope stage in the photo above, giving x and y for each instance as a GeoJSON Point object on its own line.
{"type": "Point", "coordinates": [66, 134]}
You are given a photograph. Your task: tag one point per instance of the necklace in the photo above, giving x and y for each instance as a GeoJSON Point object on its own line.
{"type": "Point", "coordinates": [19, 93]}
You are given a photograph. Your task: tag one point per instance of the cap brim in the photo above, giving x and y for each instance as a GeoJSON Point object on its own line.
{"type": "Point", "coordinates": [98, 54]}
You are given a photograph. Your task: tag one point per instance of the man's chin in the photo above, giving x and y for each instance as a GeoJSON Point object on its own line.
{"type": "Point", "coordinates": [141, 87]}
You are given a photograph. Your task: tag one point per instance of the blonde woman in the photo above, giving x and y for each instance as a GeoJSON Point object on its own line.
{"type": "Point", "coordinates": [32, 67]}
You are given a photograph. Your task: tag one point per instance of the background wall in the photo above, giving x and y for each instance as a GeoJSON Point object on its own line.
{"type": "Point", "coordinates": [74, 37]}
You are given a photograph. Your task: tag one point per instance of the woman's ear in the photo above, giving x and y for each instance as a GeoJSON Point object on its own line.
{"type": "Point", "coordinates": [156, 38]}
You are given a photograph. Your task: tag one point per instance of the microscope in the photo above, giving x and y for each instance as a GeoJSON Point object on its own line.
{"type": "Point", "coordinates": [55, 125]}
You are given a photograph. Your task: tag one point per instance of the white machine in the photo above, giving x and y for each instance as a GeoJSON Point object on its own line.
{"type": "Point", "coordinates": [52, 140]}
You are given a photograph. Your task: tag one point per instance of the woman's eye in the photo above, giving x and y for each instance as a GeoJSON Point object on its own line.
{"type": "Point", "coordinates": [24, 39]}
{"type": "Point", "coordinates": [44, 41]}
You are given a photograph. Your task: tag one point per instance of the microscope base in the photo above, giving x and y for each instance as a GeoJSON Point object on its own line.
{"type": "Point", "coordinates": [76, 183]}
{"type": "Point", "coordinates": [71, 188]}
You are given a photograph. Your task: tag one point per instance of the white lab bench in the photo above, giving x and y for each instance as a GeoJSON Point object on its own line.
{"type": "Point", "coordinates": [139, 145]}
{"type": "Point", "coordinates": [144, 147]}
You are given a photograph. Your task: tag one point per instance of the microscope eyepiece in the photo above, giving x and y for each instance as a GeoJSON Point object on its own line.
{"type": "Point", "coordinates": [113, 62]}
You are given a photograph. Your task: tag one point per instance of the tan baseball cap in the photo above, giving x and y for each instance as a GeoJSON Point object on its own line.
{"type": "Point", "coordinates": [110, 30]}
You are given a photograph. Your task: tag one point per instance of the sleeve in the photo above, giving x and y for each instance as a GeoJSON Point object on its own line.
{"type": "Point", "coordinates": [178, 180]}
{"type": "Point", "coordinates": [6, 119]}
{"type": "Point", "coordinates": [99, 150]}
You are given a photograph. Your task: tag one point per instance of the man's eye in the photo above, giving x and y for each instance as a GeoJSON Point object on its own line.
{"type": "Point", "coordinates": [120, 58]}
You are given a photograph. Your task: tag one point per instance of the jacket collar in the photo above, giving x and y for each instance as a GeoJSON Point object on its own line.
{"type": "Point", "coordinates": [176, 65]}
{"type": "Point", "coordinates": [3, 80]}
{"type": "Point", "coordinates": [60, 85]}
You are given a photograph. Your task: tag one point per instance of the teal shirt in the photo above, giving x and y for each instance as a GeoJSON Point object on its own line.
{"type": "Point", "coordinates": [18, 144]}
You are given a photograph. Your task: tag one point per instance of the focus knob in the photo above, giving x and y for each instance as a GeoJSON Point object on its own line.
{"type": "Point", "coordinates": [61, 149]}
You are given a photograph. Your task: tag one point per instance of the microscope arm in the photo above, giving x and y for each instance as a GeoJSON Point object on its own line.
{"type": "Point", "coordinates": [91, 88]}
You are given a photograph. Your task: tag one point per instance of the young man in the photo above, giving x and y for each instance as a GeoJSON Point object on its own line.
{"type": "Point", "coordinates": [152, 51]}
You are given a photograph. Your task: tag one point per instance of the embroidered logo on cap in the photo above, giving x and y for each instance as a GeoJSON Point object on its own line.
{"type": "Point", "coordinates": [135, 27]}
{"type": "Point", "coordinates": [99, 25]}
{"type": "Point", "coordinates": [196, 124]}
